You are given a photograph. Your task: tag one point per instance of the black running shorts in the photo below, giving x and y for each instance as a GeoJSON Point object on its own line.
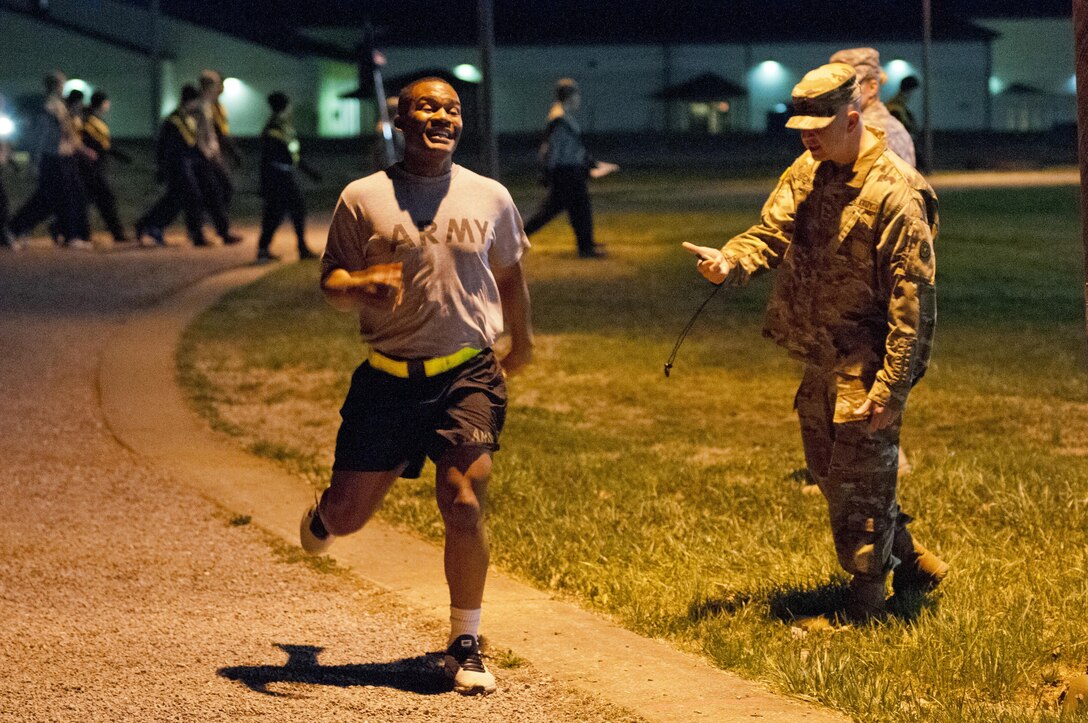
{"type": "Point", "coordinates": [388, 421]}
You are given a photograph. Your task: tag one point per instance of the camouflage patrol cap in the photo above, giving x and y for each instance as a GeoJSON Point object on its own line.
{"type": "Point", "coordinates": [820, 95]}
{"type": "Point", "coordinates": [866, 62]}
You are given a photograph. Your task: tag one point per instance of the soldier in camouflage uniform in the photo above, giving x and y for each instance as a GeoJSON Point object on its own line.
{"type": "Point", "coordinates": [899, 104]}
{"type": "Point", "coordinates": [871, 77]}
{"type": "Point", "coordinates": [851, 228]}
{"type": "Point", "coordinates": [874, 113]}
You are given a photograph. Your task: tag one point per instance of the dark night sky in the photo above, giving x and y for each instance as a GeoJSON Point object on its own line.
{"type": "Point", "coordinates": [552, 20]}
{"type": "Point", "coordinates": [330, 11]}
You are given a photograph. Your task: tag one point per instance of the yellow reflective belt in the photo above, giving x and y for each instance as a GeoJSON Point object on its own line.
{"type": "Point", "coordinates": [188, 133]}
{"type": "Point", "coordinates": [431, 367]}
{"type": "Point", "coordinates": [98, 130]}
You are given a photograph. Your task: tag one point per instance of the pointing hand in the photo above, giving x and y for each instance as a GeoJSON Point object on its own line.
{"type": "Point", "coordinates": [712, 263]}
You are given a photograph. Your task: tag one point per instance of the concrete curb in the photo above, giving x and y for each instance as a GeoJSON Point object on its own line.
{"type": "Point", "coordinates": [146, 411]}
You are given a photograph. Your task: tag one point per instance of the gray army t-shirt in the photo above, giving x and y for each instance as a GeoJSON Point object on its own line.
{"type": "Point", "coordinates": [449, 232]}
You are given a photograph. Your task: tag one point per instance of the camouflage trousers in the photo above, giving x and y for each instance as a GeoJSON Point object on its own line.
{"type": "Point", "coordinates": [855, 470]}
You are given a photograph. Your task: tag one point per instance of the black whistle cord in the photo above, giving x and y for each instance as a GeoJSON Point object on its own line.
{"type": "Point", "coordinates": [691, 322]}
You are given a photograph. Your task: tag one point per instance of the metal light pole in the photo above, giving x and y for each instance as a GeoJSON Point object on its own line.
{"type": "Point", "coordinates": [1080, 26]}
{"type": "Point", "coordinates": [927, 125]}
{"type": "Point", "coordinates": [370, 63]}
{"type": "Point", "coordinates": [489, 150]}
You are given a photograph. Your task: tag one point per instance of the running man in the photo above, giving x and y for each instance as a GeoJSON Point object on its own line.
{"type": "Point", "coordinates": [428, 254]}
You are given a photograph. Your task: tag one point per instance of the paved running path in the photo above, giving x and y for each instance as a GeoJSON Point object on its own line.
{"type": "Point", "coordinates": [148, 414]}
{"type": "Point", "coordinates": [128, 594]}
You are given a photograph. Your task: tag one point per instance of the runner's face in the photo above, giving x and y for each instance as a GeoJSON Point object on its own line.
{"type": "Point", "coordinates": [433, 122]}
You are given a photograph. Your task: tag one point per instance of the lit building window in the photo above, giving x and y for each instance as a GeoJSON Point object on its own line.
{"type": "Point", "coordinates": [339, 116]}
{"type": "Point", "coordinates": [712, 118]}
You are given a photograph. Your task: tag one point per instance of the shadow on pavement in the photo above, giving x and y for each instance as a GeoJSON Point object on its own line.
{"type": "Point", "coordinates": [422, 674]}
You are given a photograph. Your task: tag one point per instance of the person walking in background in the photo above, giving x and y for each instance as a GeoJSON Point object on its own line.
{"type": "Point", "coordinates": [95, 171]}
{"type": "Point", "coordinates": [899, 105]}
{"type": "Point", "coordinates": [567, 167]}
{"type": "Point", "coordinates": [54, 143]}
{"type": "Point", "coordinates": [217, 152]}
{"type": "Point", "coordinates": [73, 102]}
{"type": "Point", "coordinates": [851, 228]}
{"type": "Point", "coordinates": [428, 254]}
{"type": "Point", "coordinates": [281, 162]}
{"type": "Point", "coordinates": [866, 63]}
{"type": "Point", "coordinates": [177, 158]}
{"type": "Point", "coordinates": [7, 241]}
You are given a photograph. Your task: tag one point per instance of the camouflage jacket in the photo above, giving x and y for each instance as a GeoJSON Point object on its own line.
{"type": "Point", "coordinates": [877, 116]}
{"type": "Point", "coordinates": [854, 247]}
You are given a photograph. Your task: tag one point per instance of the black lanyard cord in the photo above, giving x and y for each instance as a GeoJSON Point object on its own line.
{"type": "Point", "coordinates": [691, 322]}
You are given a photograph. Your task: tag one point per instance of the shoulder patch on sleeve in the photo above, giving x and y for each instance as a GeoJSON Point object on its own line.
{"type": "Point", "coordinates": [919, 262]}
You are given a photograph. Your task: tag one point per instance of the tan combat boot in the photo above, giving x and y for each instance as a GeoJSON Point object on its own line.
{"type": "Point", "coordinates": [865, 603]}
{"type": "Point", "coordinates": [867, 600]}
{"type": "Point", "coordinates": [919, 570]}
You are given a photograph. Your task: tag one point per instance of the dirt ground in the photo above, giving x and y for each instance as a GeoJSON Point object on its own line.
{"type": "Point", "coordinates": [127, 596]}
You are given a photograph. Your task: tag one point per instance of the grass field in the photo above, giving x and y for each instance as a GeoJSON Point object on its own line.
{"type": "Point", "coordinates": [670, 504]}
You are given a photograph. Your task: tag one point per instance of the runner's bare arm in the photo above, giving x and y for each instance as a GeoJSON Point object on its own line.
{"type": "Point", "coordinates": [347, 290]}
{"type": "Point", "coordinates": [514, 294]}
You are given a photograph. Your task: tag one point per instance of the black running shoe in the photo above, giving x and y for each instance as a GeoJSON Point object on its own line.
{"type": "Point", "coordinates": [465, 666]}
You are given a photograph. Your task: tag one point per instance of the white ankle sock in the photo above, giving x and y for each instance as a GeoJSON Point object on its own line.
{"type": "Point", "coordinates": [464, 622]}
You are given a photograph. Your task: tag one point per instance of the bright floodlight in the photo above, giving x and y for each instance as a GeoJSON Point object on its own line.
{"type": "Point", "coordinates": [77, 84]}
{"type": "Point", "coordinates": [468, 73]}
{"type": "Point", "coordinates": [1071, 84]}
{"type": "Point", "coordinates": [770, 72]}
{"type": "Point", "coordinates": [232, 87]}
{"type": "Point", "coordinates": [899, 68]}
{"type": "Point", "coordinates": [7, 126]}
{"type": "Point", "coordinates": [996, 85]}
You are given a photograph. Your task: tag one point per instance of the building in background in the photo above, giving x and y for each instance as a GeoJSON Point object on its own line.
{"type": "Point", "coordinates": [1033, 80]}
{"type": "Point", "coordinates": [687, 66]}
{"type": "Point", "coordinates": [634, 77]}
{"type": "Point", "coordinates": [105, 44]}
